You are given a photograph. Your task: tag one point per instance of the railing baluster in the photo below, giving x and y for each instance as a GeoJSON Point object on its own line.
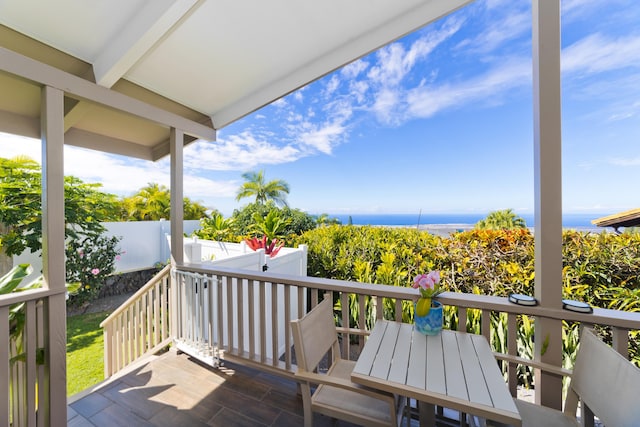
{"type": "Point", "coordinates": [462, 319]}
{"type": "Point", "coordinates": [287, 321]}
{"type": "Point", "coordinates": [379, 306]}
{"type": "Point", "coordinates": [345, 316]}
{"type": "Point", "coordinates": [512, 349]}
{"type": "Point", "coordinates": [219, 316]}
{"type": "Point", "coordinates": [230, 310]}
{"type": "Point", "coordinates": [362, 322]}
{"type": "Point", "coordinates": [263, 323]}
{"type": "Point", "coordinates": [30, 349]}
{"type": "Point", "coordinates": [241, 307]}
{"type": "Point", "coordinates": [485, 316]}
{"type": "Point", "coordinates": [620, 338]}
{"type": "Point", "coordinates": [274, 323]}
{"type": "Point", "coordinates": [398, 310]}
{"type": "Point", "coordinates": [252, 318]}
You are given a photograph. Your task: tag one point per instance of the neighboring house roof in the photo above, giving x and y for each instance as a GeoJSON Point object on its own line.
{"type": "Point", "coordinates": [630, 218]}
{"type": "Point", "coordinates": [207, 61]}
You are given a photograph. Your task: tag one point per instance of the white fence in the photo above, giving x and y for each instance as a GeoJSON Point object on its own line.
{"type": "Point", "coordinates": [144, 244]}
{"type": "Point", "coordinates": [206, 319]}
{"type": "Point", "coordinates": [240, 256]}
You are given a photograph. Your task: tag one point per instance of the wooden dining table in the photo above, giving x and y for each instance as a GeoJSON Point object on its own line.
{"type": "Point", "coordinates": [453, 370]}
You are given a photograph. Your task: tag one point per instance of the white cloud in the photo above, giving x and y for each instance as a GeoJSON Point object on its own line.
{"type": "Point", "coordinates": [426, 101]}
{"type": "Point", "coordinates": [597, 53]}
{"type": "Point", "coordinates": [625, 162]}
{"type": "Point", "coordinates": [499, 31]}
{"type": "Point", "coordinates": [353, 70]}
{"type": "Point", "coordinates": [238, 152]}
{"type": "Point", "coordinates": [578, 7]}
{"type": "Point", "coordinates": [323, 138]}
{"type": "Point", "coordinates": [332, 86]}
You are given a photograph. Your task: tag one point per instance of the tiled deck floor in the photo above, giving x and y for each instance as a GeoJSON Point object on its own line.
{"type": "Point", "coordinates": [174, 390]}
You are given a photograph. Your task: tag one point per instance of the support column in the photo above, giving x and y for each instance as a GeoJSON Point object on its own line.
{"type": "Point", "coordinates": [177, 199]}
{"type": "Point", "coordinates": [53, 258]}
{"type": "Point", "coordinates": [548, 193]}
{"type": "Point", "coordinates": [176, 142]}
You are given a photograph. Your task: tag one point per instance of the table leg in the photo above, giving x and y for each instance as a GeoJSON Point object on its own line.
{"type": "Point", "coordinates": [427, 414]}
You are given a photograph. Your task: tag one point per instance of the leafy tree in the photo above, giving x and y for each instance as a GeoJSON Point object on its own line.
{"type": "Point", "coordinates": [20, 207]}
{"type": "Point", "coordinates": [150, 203]}
{"type": "Point", "coordinates": [153, 202]}
{"type": "Point", "coordinates": [255, 186]}
{"type": "Point", "coordinates": [217, 227]}
{"type": "Point", "coordinates": [194, 210]}
{"type": "Point", "coordinates": [298, 221]}
{"type": "Point", "coordinates": [271, 225]}
{"type": "Point", "coordinates": [500, 220]}
{"type": "Point", "coordinates": [324, 219]}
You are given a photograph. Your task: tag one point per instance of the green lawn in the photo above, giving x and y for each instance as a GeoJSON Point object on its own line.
{"type": "Point", "coordinates": [85, 362]}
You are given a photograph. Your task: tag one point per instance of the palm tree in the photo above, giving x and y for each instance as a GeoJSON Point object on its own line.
{"type": "Point", "coordinates": [151, 203]}
{"type": "Point", "coordinates": [255, 185]}
{"type": "Point", "coordinates": [503, 219]}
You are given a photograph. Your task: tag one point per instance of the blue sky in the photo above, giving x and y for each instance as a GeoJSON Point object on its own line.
{"type": "Point", "coordinates": [438, 122]}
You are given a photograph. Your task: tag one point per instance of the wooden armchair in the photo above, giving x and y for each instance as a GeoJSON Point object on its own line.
{"type": "Point", "coordinates": [315, 336]}
{"type": "Point", "coordinates": [603, 380]}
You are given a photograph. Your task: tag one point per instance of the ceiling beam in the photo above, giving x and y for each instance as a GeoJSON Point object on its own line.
{"type": "Point", "coordinates": [146, 28]}
{"type": "Point", "coordinates": [93, 141]}
{"type": "Point", "coordinates": [76, 87]}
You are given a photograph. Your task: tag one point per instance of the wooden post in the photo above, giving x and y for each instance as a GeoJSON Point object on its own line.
{"type": "Point", "coordinates": [548, 193]}
{"type": "Point", "coordinates": [177, 215]}
{"type": "Point", "coordinates": [53, 262]}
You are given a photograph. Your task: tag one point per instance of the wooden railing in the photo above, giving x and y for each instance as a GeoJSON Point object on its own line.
{"type": "Point", "coordinates": [228, 314]}
{"type": "Point", "coordinates": [26, 381]}
{"type": "Point", "coordinates": [140, 326]}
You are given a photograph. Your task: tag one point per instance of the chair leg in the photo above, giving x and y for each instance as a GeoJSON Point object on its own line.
{"type": "Point", "coordinates": [305, 389]}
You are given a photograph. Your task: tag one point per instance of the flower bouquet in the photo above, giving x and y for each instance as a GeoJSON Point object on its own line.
{"type": "Point", "coordinates": [429, 287]}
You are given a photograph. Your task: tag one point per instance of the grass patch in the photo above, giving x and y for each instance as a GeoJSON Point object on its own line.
{"type": "Point", "coordinates": [85, 348]}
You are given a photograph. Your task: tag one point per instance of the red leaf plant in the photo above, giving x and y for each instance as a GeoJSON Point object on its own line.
{"type": "Point", "coordinates": [271, 248]}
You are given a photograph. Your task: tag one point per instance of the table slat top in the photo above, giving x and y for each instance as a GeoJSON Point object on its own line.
{"type": "Point", "coordinates": [452, 369]}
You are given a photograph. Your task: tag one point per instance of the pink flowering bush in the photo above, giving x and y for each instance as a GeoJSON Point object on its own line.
{"type": "Point", "coordinates": [90, 261]}
{"type": "Point", "coordinates": [429, 287]}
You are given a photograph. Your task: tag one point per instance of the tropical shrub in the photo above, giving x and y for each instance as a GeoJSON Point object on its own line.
{"type": "Point", "coordinates": [89, 262]}
{"type": "Point", "coordinates": [500, 220]}
{"type": "Point", "coordinates": [217, 228]}
{"type": "Point", "coordinates": [297, 221]}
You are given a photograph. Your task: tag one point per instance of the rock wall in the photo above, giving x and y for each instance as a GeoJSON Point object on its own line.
{"type": "Point", "coordinates": [123, 283]}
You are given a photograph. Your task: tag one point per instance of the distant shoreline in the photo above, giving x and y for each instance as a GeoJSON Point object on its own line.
{"type": "Point", "coordinates": [445, 224]}
{"type": "Point", "coordinates": [445, 230]}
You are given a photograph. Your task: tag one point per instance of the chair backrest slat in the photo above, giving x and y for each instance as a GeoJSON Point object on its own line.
{"type": "Point", "coordinates": [606, 382]}
{"type": "Point", "coordinates": [314, 335]}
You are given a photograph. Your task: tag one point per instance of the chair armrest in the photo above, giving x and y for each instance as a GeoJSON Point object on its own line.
{"type": "Point", "coordinates": [344, 384]}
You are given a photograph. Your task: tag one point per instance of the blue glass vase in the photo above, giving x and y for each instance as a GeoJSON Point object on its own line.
{"type": "Point", "coordinates": [431, 324]}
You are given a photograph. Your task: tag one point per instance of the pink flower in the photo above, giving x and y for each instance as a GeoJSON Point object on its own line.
{"type": "Point", "coordinates": [80, 253]}
{"type": "Point", "coordinates": [426, 281]}
{"type": "Point", "coordinates": [95, 271]}
{"type": "Point", "coordinates": [117, 257]}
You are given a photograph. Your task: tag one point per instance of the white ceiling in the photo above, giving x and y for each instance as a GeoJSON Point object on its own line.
{"type": "Point", "coordinates": [220, 58]}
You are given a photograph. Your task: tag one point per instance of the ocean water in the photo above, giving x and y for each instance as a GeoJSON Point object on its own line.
{"type": "Point", "coordinates": [577, 221]}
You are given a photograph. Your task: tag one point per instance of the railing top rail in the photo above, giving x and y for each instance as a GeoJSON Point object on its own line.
{"type": "Point", "coordinates": [30, 295]}
{"type": "Point", "coordinates": [162, 273]}
{"type": "Point", "coordinates": [616, 318]}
